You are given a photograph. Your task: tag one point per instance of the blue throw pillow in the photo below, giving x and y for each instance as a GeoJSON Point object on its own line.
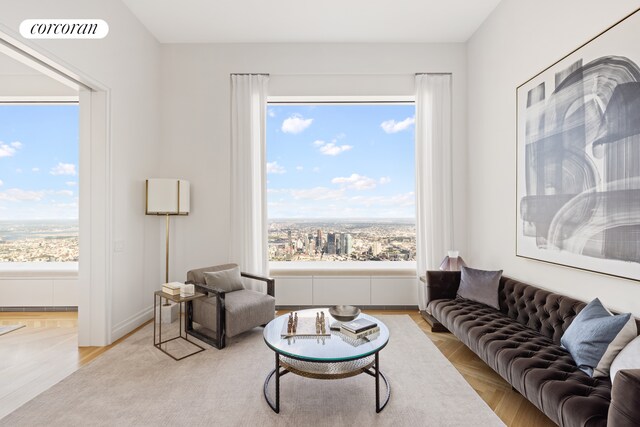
{"type": "Point", "coordinates": [595, 337]}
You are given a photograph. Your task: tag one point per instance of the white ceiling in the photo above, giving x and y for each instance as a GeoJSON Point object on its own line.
{"type": "Point", "coordinates": [311, 21]}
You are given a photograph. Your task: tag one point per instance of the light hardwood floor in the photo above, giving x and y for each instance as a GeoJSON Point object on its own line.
{"type": "Point", "coordinates": [46, 350]}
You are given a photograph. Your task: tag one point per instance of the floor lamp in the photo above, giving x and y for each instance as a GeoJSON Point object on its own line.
{"type": "Point", "coordinates": [167, 197]}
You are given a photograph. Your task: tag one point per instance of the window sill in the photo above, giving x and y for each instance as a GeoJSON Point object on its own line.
{"type": "Point", "coordinates": [358, 268]}
{"type": "Point", "coordinates": [38, 270]}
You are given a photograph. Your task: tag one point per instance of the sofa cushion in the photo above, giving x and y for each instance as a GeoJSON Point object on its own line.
{"type": "Point", "coordinates": [628, 358]}
{"type": "Point", "coordinates": [480, 286]}
{"type": "Point", "coordinates": [596, 336]}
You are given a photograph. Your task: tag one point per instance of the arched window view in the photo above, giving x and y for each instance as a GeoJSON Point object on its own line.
{"type": "Point", "coordinates": [341, 181]}
{"type": "Point", "coordinates": [39, 183]}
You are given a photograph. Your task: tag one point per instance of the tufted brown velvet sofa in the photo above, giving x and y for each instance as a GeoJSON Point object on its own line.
{"type": "Point", "coordinates": [521, 342]}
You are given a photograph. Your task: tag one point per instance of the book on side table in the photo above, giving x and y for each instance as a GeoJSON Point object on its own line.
{"type": "Point", "coordinates": [172, 288]}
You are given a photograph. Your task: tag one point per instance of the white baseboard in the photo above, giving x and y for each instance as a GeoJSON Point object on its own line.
{"type": "Point", "coordinates": [128, 325]}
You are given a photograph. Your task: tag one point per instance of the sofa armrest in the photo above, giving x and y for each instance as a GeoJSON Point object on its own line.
{"type": "Point", "coordinates": [271, 283]}
{"type": "Point", "coordinates": [442, 284]}
{"type": "Point", "coordinates": [624, 410]}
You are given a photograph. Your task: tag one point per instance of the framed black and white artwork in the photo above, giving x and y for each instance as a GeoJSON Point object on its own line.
{"type": "Point", "coordinates": [578, 157]}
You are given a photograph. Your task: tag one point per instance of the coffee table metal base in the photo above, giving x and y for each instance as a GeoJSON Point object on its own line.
{"type": "Point", "coordinates": [369, 365]}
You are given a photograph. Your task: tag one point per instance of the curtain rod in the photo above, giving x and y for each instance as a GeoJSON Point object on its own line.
{"type": "Point", "coordinates": [249, 74]}
{"type": "Point", "coordinates": [434, 74]}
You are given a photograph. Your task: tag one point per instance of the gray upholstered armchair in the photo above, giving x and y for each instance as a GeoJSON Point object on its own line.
{"type": "Point", "coordinates": [226, 313]}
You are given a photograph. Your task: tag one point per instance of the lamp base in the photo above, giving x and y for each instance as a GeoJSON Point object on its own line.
{"type": "Point", "coordinates": [170, 312]}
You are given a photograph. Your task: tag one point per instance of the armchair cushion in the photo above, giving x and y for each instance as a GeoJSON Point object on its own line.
{"type": "Point", "coordinates": [244, 310]}
{"type": "Point", "coordinates": [226, 280]}
{"type": "Point", "coordinates": [247, 309]}
{"type": "Point", "coordinates": [197, 275]}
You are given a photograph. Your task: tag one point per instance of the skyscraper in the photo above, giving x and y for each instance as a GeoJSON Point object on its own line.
{"type": "Point", "coordinates": [331, 243]}
{"type": "Point", "coordinates": [348, 244]}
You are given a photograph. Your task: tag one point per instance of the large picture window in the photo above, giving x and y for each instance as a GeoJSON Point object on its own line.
{"type": "Point", "coordinates": [39, 183]}
{"type": "Point", "coordinates": [341, 182]}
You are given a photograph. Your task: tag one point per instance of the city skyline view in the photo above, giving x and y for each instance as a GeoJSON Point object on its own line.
{"type": "Point", "coordinates": [340, 182]}
{"type": "Point", "coordinates": [340, 161]}
{"type": "Point", "coordinates": [38, 161]}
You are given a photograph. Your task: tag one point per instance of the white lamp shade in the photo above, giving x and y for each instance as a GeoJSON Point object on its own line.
{"type": "Point", "coordinates": [167, 196]}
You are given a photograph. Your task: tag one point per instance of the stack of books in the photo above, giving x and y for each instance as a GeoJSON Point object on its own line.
{"type": "Point", "coordinates": [359, 328]}
{"type": "Point", "coordinates": [172, 288]}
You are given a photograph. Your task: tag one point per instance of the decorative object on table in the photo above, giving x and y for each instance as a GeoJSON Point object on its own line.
{"type": "Point", "coordinates": [187, 290]}
{"type": "Point", "coordinates": [167, 197]}
{"type": "Point", "coordinates": [10, 328]}
{"type": "Point", "coordinates": [360, 335]}
{"type": "Point", "coordinates": [577, 157]}
{"type": "Point", "coordinates": [344, 313]}
{"type": "Point", "coordinates": [452, 262]}
{"type": "Point", "coordinates": [172, 288]}
{"type": "Point", "coordinates": [227, 313]}
{"type": "Point", "coordinates": [305, 326]}
{"type": "Point", "coordinates": [358, 325]}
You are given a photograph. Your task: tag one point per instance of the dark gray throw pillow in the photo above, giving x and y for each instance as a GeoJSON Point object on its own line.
{"type": "Point", "coordinates": [227, 280]}
{"type": "Point", "coordinates": [480, 286]}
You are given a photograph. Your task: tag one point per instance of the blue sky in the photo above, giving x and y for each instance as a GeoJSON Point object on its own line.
{"type": "Point", "coordinates": [341, 161]}
{"type": "Point", "coordinates": [38, 162]}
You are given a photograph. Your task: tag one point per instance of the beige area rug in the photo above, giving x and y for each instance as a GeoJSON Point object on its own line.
{"type": "Point", "coordinates": [9, 328]}
{"type": "Point", "coordinates": [136, 384]}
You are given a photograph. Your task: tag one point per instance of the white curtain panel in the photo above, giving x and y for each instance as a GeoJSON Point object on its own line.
{"type": "Point", "coordinates": [434, 201]}
{"type": "Point", "coordinates": [248, 234]}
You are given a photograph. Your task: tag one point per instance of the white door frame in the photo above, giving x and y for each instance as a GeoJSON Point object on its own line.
{"type": "Point", "coordinates": [95, 187]}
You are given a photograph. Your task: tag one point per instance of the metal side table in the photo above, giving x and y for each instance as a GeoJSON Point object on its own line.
{"type": "Point", "coordinates": [157, 322]}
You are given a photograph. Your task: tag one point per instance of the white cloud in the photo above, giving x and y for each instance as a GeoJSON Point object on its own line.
{"type": "Point", "coordinates": [271, 112]}
{"type": "Point", "coordinates": [6, 150]}
{"type": "Point", "coordinates": [331, 149]}
{"type": "Point", "coordinates": [318, 142]}
{"type": "Point", "coordinates": [317, 193]}
{"type": "Point", "coordinates": [391, 126]}
{"type": "Point", "coordinates": [295, 124]}
{"type": "Point", "coordinates": [63, 169]}
{"type": "Point", "coordinates": [16, 195]}
{"type": "Point", "coordinates": [71, 183]}
{"type": "Point", "coordinates": [35, 169]}
{"type": "Point", "coordinates": [65, 193]}
{"type": "Point", "coordinates": [299, 168]}
{"type": "Point", "coordinates": [316, 169]}
{"type": "Point", "coordinates": [398, 200]}
{"type": "Point", "coordinates": [274, 167]}
{"type": "Point", "coordinates": [355, 182]}
{"type": "Point", "coordinates": [385, 180]}
{"type": "Point", "coordinates": [16, 144]}
{"type": "Point", "coordinates": [1, 183]}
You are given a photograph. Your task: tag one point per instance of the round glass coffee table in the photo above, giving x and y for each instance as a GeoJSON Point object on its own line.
{"type": "Point", "coordinates": [332, 356]}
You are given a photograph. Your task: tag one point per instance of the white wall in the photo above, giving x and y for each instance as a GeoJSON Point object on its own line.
{"type": "Point", "coordinates": [195, 117]}
{"type": "Point", "coordinates": [519, 39]}
{"type": "Point", "coordinates": [127, 62]}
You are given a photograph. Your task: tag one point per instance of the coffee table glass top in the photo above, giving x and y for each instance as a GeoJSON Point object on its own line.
{"type": "Point", "coordinates": [333, 348]}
